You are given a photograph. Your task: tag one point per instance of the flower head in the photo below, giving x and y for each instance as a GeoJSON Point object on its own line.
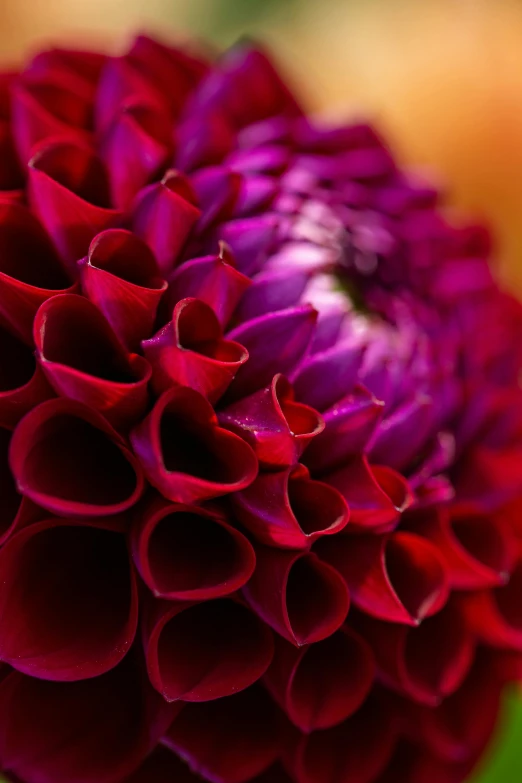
{"type": "Point", "coordinates": [260, 439]}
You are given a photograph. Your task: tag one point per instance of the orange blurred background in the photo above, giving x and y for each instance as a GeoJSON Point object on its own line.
{"type": "Point", "coordinates": [442, 78]}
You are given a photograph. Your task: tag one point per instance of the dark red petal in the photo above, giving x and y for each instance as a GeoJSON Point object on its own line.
{"type": "Point", "coordinates": [289, 510]}
{"type": "Point", "coordinates": [275, 344]}
{"type": "Point", "coordinates": [426, 663]}
{"type": "Point", "coordinates": [162, 766]}
{"type": "Point", "coordinates": [15, 511]}
{"type": "Point", "coordinates": [300, 597]}
{"type": "Point", "coordinates": [214, 280]}
{"type": "Point", "coordinates": [121, 277]}
{"type": "Point", "coordinates": [321, 685]}
{"type": "Point", "coordinates": [135, 149]}
{"type": "Point", "coordinates": [190, 351]}
{"type": "Point", "coordinates": [205, 651]}
{"type": "Point", "coordinates": [353, 752]}
{"type": "Point", "coordinates": [83, 360]}
{"type": "Point", "coordinates": [229, 740]}
{"type": "Point", "coordinates": [278, 428]}
{"type": "Point", "coordinates": [376, 495]}
{"type": "Point", "coordinates": [496, 615]}
{"type": "Point", "coordinates": [69, 191]}
{"type": "Point", "coordinates": [69, 460]}
{"type": "Point", "coordinates": [22, 382]}
{"type": "Point", "coordinates": [68, 600]}
{"type": "Point", "coordinates": [11, 175]}
{"type": "Point", "coordinates": [164, 214]}
{"type": "Point", "coordinates": [186, 455]}
{"type": "Point", "coordinates": [84, 63]}
{"type": "Point", "coordinates": [398, 577]}
{"type": "Point", "coordinates": [99, 729]}
{"type": "Point", "coordinates": [349, 425]}
{"type": "Point", "coordinates": [187, 553]}
{"type": "Point", "coordinates": [30, 272]}
{"type": "Point", "coordinates": [326, 377]}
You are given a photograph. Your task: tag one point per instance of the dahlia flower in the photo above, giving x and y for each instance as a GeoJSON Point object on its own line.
{"type": "Point", "coordinates": [260, 439]}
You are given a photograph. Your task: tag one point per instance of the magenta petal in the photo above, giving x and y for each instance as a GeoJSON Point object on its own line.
{"type": "Point", "coordinates": [401, 435]}
{"type": "Point", "coordinates": [229, 740]}
{"type": "Point", "coordinates": [68, 600]}
{"type": "Point", "coordinates": [203, 143]}
{"type": "Point", "coordinates": [99, 729]}
{"type": "Point", "coordinates": [275, 344]}
{"type": "Point", "coordinates": [69, 191]}
{"type": "Point", "coordinates": [273, 424]}
{"type": "Point", "coordinates": [68, 459]}
{"type": "Point", "coordinates": [287, 509]}
{"type": "Point", "coordinates": [376, 495]}
{"type": "Point", "coordinates": [186, 455]}
{"type": "Point", "coordinates": [135, 148]}
{"type": "Point", "coordinates": [495, 615]}
{"type": "Point", "coordinates": [300, 597]}
{"type": "Point", "coordinates": [11, 175]}
{"type": "Point", "coordinates": [205, 651]}
{"type": "Point", "coordinates": [120, 81]}
{"type": "Point", "coordinates": [405, 655]}
{"type": "Point", "coordinates": [187, 553]}
{"type": "Point", "coordinates": [217, 190]}
{"type": "Point", "coordinates": [83, 360]}
{"type": "Point", "coordinates": [349, 426]}
{"type": "Point", "coordinates": [324, 378]}
{"type": "Point", "coordinates": [164, 214]}
{"type": "Point", "coordinates": [191, 351]}
{"type": "Point", "coordinates": [162, 766]}
{"type": "Point", "coordinates": [30, 272]}
{"type": "Point", "coordinates": [15, 510]}
{"type": "Point", "coordinates": [121, 277]}
{"type": "Point", "coordinates": [250, 240]}
{"type": "Point", "coordinates": [272, 291]}
{"type": "Point", "coordinates": [323, 684]}
{"type": "Point", "coordinates": [214, 280]}
{"type": "Point", "coordinates": [398, 577]}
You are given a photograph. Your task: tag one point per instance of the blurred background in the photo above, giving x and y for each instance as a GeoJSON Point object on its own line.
{"type": "Point", "coordinates": [441, 78]}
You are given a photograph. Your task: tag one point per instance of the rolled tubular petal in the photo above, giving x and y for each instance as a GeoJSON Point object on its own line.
{"type": "Point", "coordinates": [69, 192]}
{"type": "Point", "coordinates": [496, 615]}
{"type": "Point", "coordinates": [275, 344]}
{"type": "Point", "coordinates": [187, 553]}
{"type": "Point", "coordinates": [162, 766]}
{"type": "Point", "coordinates": [121, 277]}
{"type": "Point", "coordinates": [68, 600]}
{"type": "Point", "coordinates": [287, 509]}
{"type": "Point", "coordinates": [356, 751]}
{"type": "Point", "coordinates": [163, 216]}
{"type": "Point", "coordinates": [349, 425]}
{"type": "Point", "coordinates": [83, 360]}
{"type": "Point", "coordinates": [426, 663]}
{"type": "Point", "coordinates": [15, 510]}
{"type": "Point", "coordinates": [214, 280]}
{"type": "Point", "coordinates": [68, 459]}
{"type": "Point", "coordinates": [229, 740]}
{"type": "Point", "coordinates": [186, 455]}
{"type": "Point", "coordinates": [30, 271]}
{"type": "Point", "coordinates": [22, 382]}
{"type": "Point", "coordinates": [205, 651]}
{"type": "Point", "coordinates": [300, 597]}
{"type": "Point", "coordinates": [278, 428]}
{"type": "Point", "coordinates": [99, 729]}
{"type": "Point", "coordinates": [190, 351]}
{"type": "Point", "coordinates": [321, 685]}
{"type": "Point", "coordinates": [376, 495]}
{"type": "Point", "coordinates": [324, 378]}
{"type": "Point", "coordinates": [135, 149]}
{"type": "Point", "coordinates": [399, 577]}
{"type": "Point", "coordinates": [478, 550]}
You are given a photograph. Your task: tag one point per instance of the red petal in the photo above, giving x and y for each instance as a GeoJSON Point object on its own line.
{"type": "Point", "coordinates": [186, 455]}
{"type": "Point", "coordinates": [120, 81]}
{"type": "Point", "coordinates": [289, 510]}
{"type": "Point", "coordinates": [162, 766]}
{"type": "Point", "coordinates": [83, 360]}
{"type": "Point", "coordinates": [164, 214]}
{"type": "Point", "coordinates": [398, 577]}
{"type": "Point", "coordinates": [69, 460]}
{"type": "Point", "coordinates": [495, 615]}
{"type": "Point", "coordinates": [300, 597]}
{"type": "Point", "coordinates": [30, 272]}
{"type": "Point", "coordinates": [206, 651]}
{"type": "Point", "coordinates": [68, 600]}
{"type": "Point", "coordinates": [191, 351]}
{"type": "Point", "coordinates": [229, 740]}
{"type": "Point", "coordinates": [189, 554]}
{"type": "Point", "coordinates": [323, 684]}
{"type": "Point", "coordinates": [15, 511]}
{"type": "Point", "coordinates": [121, 277]}
{"type": "Point", "coordinates": [69, 191]}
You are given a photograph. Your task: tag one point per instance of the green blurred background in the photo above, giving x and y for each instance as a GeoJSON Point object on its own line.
{"type": "Point", "coordinates": [442, 79]}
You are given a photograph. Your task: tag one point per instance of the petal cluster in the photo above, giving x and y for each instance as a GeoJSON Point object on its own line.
{"type": "Point", "coordinates": [260, 439]}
